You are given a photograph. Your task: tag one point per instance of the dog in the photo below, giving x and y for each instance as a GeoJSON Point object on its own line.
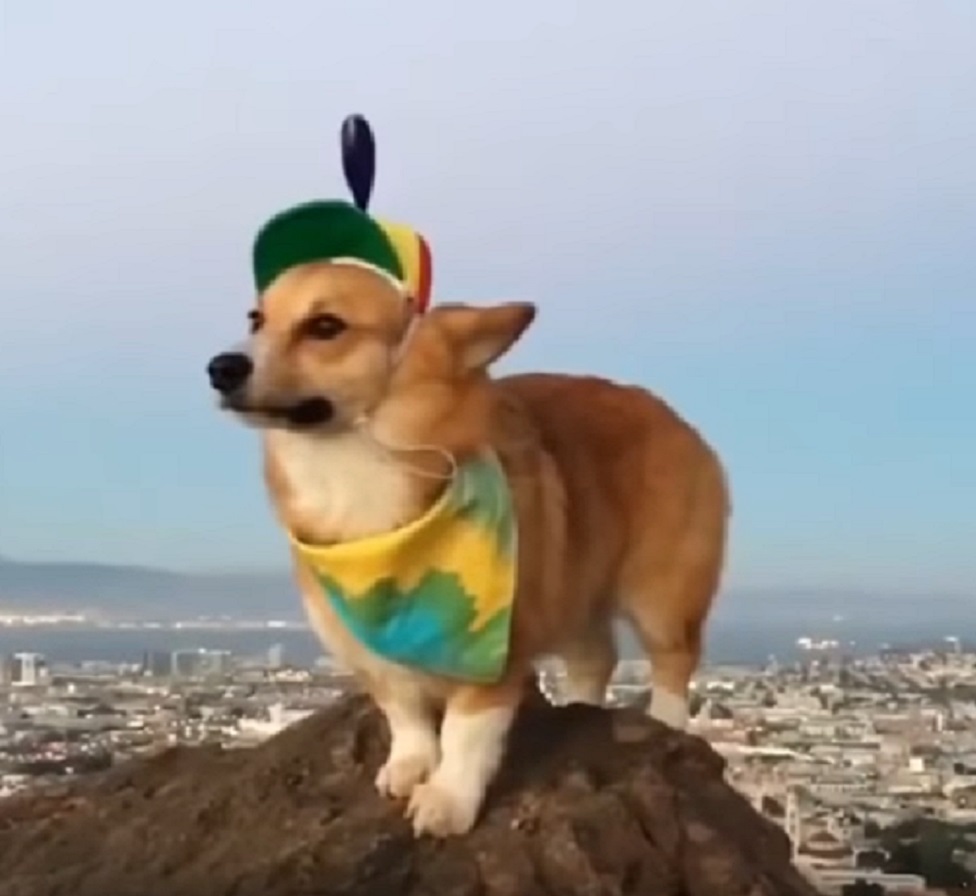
{"type": "Point", "coordinates": [367, 411]}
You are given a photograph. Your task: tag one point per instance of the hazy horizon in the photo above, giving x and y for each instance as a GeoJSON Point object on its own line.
{"type": "Point", "coordinates": [762, 212]}
{"type": "Point", "coordinates": [283, 573]}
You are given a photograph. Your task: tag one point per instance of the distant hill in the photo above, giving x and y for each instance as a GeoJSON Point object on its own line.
{"type": "Point", "coordinates": [123, 591]}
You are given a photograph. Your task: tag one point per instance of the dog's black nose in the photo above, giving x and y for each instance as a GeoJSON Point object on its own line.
{"type": "Point", "coordinates": [229, 371]}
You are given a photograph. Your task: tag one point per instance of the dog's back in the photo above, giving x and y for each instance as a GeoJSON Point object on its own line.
{"type": "Point", "coordinates": [644, 507]}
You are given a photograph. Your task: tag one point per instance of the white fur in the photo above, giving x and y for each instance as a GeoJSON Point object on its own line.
{"type": "Point", "coordinates": [472, 747]}
{"type": "Point", "coordinates": [669, 708]}
{"type": "Point", "coordinates": [414, 747]}
{"type": "Point", "coordinates": [345, 481]}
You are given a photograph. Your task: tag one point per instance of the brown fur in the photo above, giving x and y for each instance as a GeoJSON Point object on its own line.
{"type": "Point", "coordinates": [621, 505]}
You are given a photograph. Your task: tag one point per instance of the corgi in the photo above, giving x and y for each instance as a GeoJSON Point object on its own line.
{"type": "Point", "coordinates": [368, 412]}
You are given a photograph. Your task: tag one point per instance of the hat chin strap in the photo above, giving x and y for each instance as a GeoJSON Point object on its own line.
{"type": "Point", "coordinates": [400, 350]}
{"type": "Point", "coordinates": [404, 343]}
{"type": "Point", "coordinates": [401, 288]}
{"type": "Point", "coordinates": [396, 358]}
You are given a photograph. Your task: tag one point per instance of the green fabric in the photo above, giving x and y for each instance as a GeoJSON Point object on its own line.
{"type": "Point", "coordinates": [318, 231]}
{"type": "Point", "coordinates": [438, 593]}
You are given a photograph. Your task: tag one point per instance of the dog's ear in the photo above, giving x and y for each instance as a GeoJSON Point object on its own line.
{"type": "Point", "coordinates": [481, 335]}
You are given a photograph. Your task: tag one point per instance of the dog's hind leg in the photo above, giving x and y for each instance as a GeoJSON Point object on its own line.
{"type": "Point", "coordinates": [675, 651]}
{"type": "Point", "coordinates": [590, 660]}
{"type": "Point", "coordinates": [667, 587]}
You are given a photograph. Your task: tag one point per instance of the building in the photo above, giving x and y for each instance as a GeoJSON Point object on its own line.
{"type": "Point", "coordinates": [28, 669]}
{"type": "Point", "coordinates": [157, 663]}
{"type": "Point", "coordinates": [276, 656]}
{"type": "Point", "coordinates": [215, 663]}
{"type": "Point", "coordinates": [832, 881]}
{"type": "Point", "coordinates": [201, 663]}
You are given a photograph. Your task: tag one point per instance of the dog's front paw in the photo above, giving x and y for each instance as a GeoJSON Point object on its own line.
{"type": "Point", "coordinates": [400, 775]}
{"type": "Point", "coordinates": [438, 812]}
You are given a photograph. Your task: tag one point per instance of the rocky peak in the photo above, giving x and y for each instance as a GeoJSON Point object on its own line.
{"type": "Point", "coordinates": [595, 802]}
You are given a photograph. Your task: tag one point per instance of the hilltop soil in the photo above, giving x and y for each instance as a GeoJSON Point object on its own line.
{"type": "Point", "coordinates": [590, 802]}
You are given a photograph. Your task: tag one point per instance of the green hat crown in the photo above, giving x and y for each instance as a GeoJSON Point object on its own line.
{"type": "Point", "coordinates": [318, 231]}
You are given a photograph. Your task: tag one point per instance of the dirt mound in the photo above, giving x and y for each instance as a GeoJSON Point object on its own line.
{"type": "Point", "coordinates": [590, 802]}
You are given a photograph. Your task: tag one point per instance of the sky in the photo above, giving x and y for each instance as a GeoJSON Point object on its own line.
{"type": "Point", "coordinates": [764, 212]}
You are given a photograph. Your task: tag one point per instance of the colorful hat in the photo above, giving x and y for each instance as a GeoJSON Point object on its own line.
{"type": "Point", "coordinates": [343, 232]}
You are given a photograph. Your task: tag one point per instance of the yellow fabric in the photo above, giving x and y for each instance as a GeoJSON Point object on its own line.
{"type": "Point", "coordinates": [437, 593]}
{"type": "Point", "coordinates": [404, 240]}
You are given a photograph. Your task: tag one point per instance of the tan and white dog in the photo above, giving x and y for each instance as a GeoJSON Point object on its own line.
{"type": "Point", "coordinates": [622, 507]}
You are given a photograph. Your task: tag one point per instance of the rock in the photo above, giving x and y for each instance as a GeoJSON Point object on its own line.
{"type": "Point", "coordinates": [591, 802]}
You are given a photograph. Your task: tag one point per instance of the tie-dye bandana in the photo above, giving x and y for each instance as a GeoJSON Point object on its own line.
{"type": "Point", "coordinates": [436, 594]}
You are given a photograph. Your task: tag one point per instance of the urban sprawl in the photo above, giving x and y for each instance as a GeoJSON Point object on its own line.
{"type": "Point", "coordinates": [860, 760]}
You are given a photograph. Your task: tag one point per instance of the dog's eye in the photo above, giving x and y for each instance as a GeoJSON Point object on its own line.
{"type": "Point", "coordinates": [256, 319]}
{"type": "Point", "coordinates": [324, 326]}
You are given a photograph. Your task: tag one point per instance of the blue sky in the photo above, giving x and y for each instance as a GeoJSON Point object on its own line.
{"type": "Point", "coordinates": [763, 211]}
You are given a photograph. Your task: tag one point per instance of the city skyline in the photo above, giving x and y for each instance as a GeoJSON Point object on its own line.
{"type": "Point", "coordinates": [762, 214]}
{"type": "Point", "coordinates": [851, 756]}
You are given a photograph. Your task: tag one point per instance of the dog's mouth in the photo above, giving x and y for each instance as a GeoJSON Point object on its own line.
{"type": "Point", "coordinates": [304, 414]}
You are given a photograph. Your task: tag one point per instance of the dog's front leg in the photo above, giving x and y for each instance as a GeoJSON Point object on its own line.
{"type": "Point", "coordinates": [414, 748]}
{"type": "Point", "coordinates": [473, 737]}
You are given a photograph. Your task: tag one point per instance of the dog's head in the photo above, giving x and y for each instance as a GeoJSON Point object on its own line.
{"type": "Point", "coordinates": [331, 344]}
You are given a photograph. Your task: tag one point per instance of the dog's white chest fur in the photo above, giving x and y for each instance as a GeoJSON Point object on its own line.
{"type": "Point", "coordinates": [344, 483]}
{"type": "Point", "coordinates": [349, 486]}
